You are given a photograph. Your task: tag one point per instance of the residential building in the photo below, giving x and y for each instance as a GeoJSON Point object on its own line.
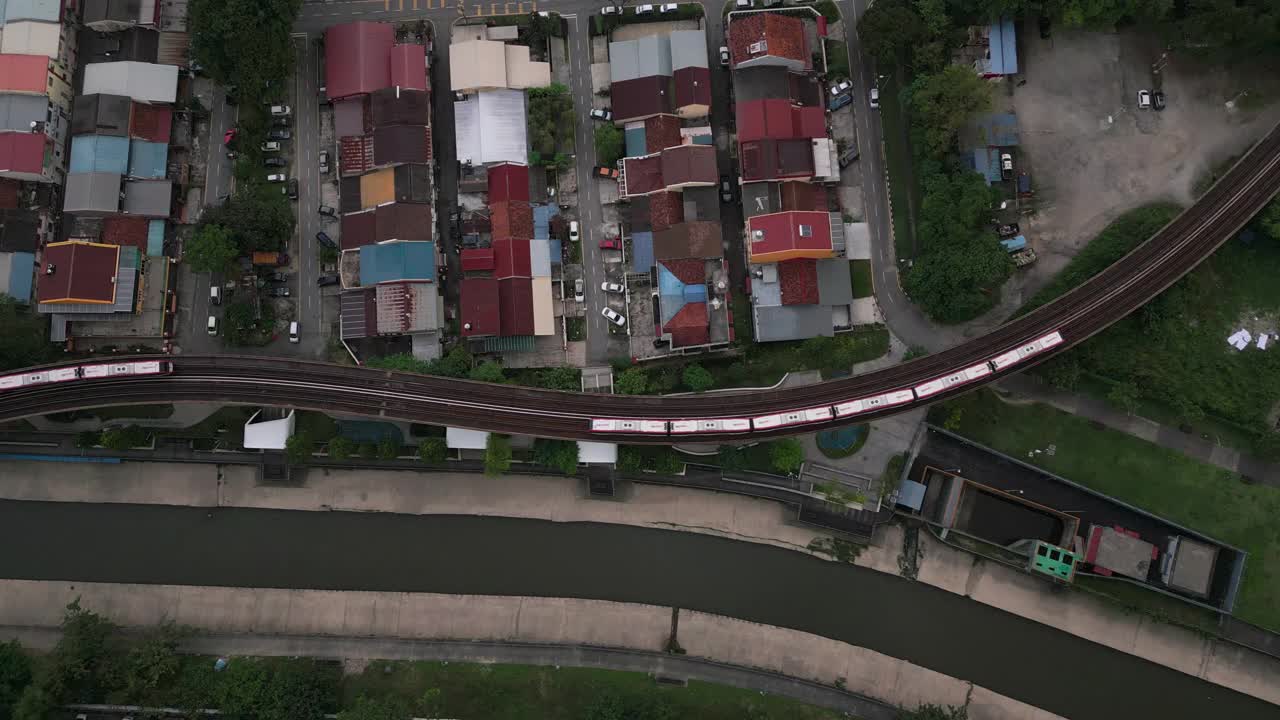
{"type": "Point", "coordinates": [485, 64]}
{"type": "Point", "coordinates": [769, 39]}
{"type": "Point", "coordinates": [660, 74]}
{"type": "Point", "coordinates": [491, 127]}
{"type": "Point", "coordinates": [116, 15]}
{"type": "Point", "coordinates": [143, 82]}
{"type": "Point", "coordinates": [673, 169]}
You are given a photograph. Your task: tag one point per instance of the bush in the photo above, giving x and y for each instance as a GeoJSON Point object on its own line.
{"type": "Point", "coordinates": [88, 439]}
{"type": "Point", "coordinates": [432, 450]}
{"type": "Point", "coordinates": [388, 449]}
{"type": "Point", "coordinates": [561, 455]}
{"type": "Point", "coordinates": [368, 451]}
{"type": "Point", "coordinates": [659, 458]}
{"type": "Point", "coordinates": [341, 448]}
{"type": "Point", "coordinates": [497, 454]}
{"type": "Point", "coordinates": [124, 438]}
{"type": "Point", "coordinates": [787, 455]}
{"type": "Point", "coordinates": [697, 378]}
{"type": "Point", "coordinates": [610, 144]}
{"type": "Point", "coordinates": [632, 381]}
{"type": "Point", "coordinates": [299, 447]}
{"type": "Point", "coordinates": [490, 372]}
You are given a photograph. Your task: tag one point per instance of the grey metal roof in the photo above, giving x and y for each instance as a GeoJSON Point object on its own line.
{"type": "Point", "coordinates": [101, 114]}
{"type": "Point", "coordinates": [148, 198]}
{"type": "Point", "coordinates": [760, 198]}
{"type": "Point", "coordinates": [792, 322]}
{"type": "Point", "coordinates": [17, 112]}
{"type": "Point", "coordinates": [642, 57]}
{"type": "Point", "coordinates": [92, 193]}
{"type": "Point", "coordinates": [354, 320]}
{"type": "Point", "coordinates": [834, 287]}
{"type": "Point", "coordinates": [688, 49]}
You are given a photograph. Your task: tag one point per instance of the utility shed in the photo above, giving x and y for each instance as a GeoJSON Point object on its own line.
{"type": "Point", "coordinates": [1188, 565]}
{"type": "Point", "coordinates": [1115, 550]}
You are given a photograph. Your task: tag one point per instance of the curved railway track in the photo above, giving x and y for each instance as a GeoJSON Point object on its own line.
{"type": "Point", "coordinates": [1102, 300]}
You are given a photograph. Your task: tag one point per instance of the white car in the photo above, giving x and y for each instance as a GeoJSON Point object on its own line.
{"type": "Point", "coordinates": [611, 10]}
{"type": "Point", "coordinates": [740, 4]}
{"type": "Point", "coordinates": [841, 87]}
{"type": "Point", "coordinates": [875, 97]}
{"type": "Point", "coordinates": [602, 114]}
{"type": "Point", "coordinates": [293, 331]}
{"type": "Point", "coordinates": [281, 110]}
{"type": "Point", "coordinates": [277, 178]}
{"type": "Point", "coordinates": [612, 287]}
{"type": "Point", "coordinates": [668, 8]}
{"type": "Point", "coordinates": [644, 9]}
{"type": "Point", "coordinates": [613, 317]}
{"type": "Point", "coordinates": [577, 290]}
{"type": "Point", "coordinates": [213, 325]}
{"type": "Point", "coordinates": [1144, 99]}
{"type": "Point", "coordinates": [724, 55]}
{"type": "Point", "coordinates": [573, 231]}
{"type": "Point", "coordinates": [271, 146]}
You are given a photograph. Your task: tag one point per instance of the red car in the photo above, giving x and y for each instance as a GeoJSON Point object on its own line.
{"type": "Point", "coordinates": [611, 244]}
{"type": "Point", "coordinates": [228, 136]}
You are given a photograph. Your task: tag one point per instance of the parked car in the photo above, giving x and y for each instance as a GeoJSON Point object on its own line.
{"type": "Point", "coordinates": [279, 277]}
{"type": "Point", "coordinates": [726, 188]}
{"type": "Point", "coordinates": [293, 331]}
{"type": "Point", "coordinates": [644, 9]}
{"type": "Point", "coordinates": [875, 97]}
{"type": "Point", "coordinates": [840, 101]}
{"type": "Point", "coordinates": [229, 135]}
{"type": "Point", "coordinates": [611, 10]}
{"type": "Point", "coordinates": [277, 177]}
{"type": "Point", "coordinates": [843, 86]}
{"type": "Point", "coordinates": [668, 8]}
{"type": "Point", "coordinates": [328, 210]}
{"type": "Point", "coordinates": [577, 290]}
{"type": "Point", "coordinates": [607, 173]}
{"type": "Point", "coordinates": [613, 317]}
{"type": "Point", "coordinates": [324, 280]}
{"type": "Point", "coordinates": [602, 114]}
{"type": "Point", "coordinates": [215, 294]}
{"type": "Point", "coordinates": [743, 4]}
{"type": "Point", "coordinates": [573, 231]}
{"type": "Point", "coordinates": [293, 189]}
{"type": "Point", "coordinates": [280, 292]}
{"type": "Point", "coordinates": [274, 162]}
{"type": "Point", "coordinates": [323, 238]}
{"type": "Point", "coordinates": [724, 55]}
{"type": "Point", "coordinates": [1157, 100]}
{"type": "Point", "coordinates": [612, 243]}
{"type": "Point", "coordinates": [1006, 166]}
{"type": "Point", "coordinates": [848, 156]}
{"type": "Point", "coordinates": [281, 110]}
{"type": "Point", "coordinates": [271, 147]}
{"type": "Point", "coordinates": [212, 325]}
{"type": "Point", "coordinates": [279, 134]}
{"type": "Point", "coordinates": [1008, 230]}
{"type": "Point", "coordinates": [282, 121]}
{"type": "Point", "coordinates": [324, 161]}
{"type": "Point", "coordinates": [1144, 99]}
{"type": "Point", "coordinates": [611, 287]}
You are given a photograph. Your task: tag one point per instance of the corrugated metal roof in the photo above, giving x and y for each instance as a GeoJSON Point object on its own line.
{"type": "Point", "coordinates": [17, 112]}
{"type": "Point", "coordinates": [16, 273]}
{"type": "Point", "coordinates": [101, 115]}
{"type": "Point", "coordinates": [42, 10]}
{"type": "Point", "coordinates": [491, 127]}
{"type": "Point", "coordinates": [138, 80]}
{"type": "Point", "coordinates": [148, 159]}
{"type": "Point", "coordinates": [540, 258]}
{"type": "Point", "coordinates": [834, 286]}
{"type": "Point", "coordinates": [92, 193]}
{"type": "Point", "coordinates": [148, 198]}
{"type": "Point", "coordinates": [688, 49]}
{"type": "Point", "coordinates": [354, 319]}
{"type": "Point", "coordinates": [792, 322]}
{"type": "Point", "coordinates": [397, 261]}
{"type": "Point", "coordinates": [35, 38]}
{"type": "Point", "coordinates": [642, 251]}
{"type": "Point", "coordinates": [99, 153]}
{"type": "Point", "coordinates": [24, 73]}
{"type": "Point", "coordinates": [155, 238]}
{"type": "Point", "coordinates": [356, 58]}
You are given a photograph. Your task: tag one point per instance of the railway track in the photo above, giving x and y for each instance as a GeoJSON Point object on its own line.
{"type": "Point", "coordinates": [1088, 309]}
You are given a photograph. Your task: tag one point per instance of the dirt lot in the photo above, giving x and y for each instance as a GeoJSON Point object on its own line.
{"type": "Point", "coordinates": [1093, 154]}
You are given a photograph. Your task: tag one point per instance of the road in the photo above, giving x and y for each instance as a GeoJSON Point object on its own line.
{"type": "Point", "coordinates": [939, 630]}
{"type": "Point", "coordinates": [307, 302]}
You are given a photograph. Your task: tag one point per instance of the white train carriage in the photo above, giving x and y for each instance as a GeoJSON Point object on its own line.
{"type": "Point", "coordinates": [795, 417]}
{"type": "Point", "coordinates": [967, 375]}
{"type": "Point", "coordinates": [712, 425]}
{"type": "Point", "coordinates": [629, 425]}
{"type": "Point", "coordinates": [1035, 347]}
{"type": "Point", "coordinates": [889, 399]}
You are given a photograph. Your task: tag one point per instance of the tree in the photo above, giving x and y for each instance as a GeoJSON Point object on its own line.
{"type": "Point", "coordinates": [153, 662]}
{"type": "Point", "coordinates": [786, 455]}
{"type": "Point", "coordinates": [610, 143]}
{"type": "Point", "coordinates": [15, 675]}
{"type": "Point", "coordinates": [26, 336]}
{"type": "Point", "coordinates": [382, 707]}
{"type": "Point", "coordinates": [1062, 372]}
{"type": "Point", "coordinates": [239, 323]}
{"type": "Point", "coordinates": [1126, 395]}
{"type": "Point", "coordinates": [80, 661]}
{"type": "Point", "coordinates": [958, 281]}
{"type": "Point", "coordinates": [211, 249]}
{"type": "Point", "coordinates": [299, 447]}
{"type": "Point", "coordinates": [88, 439]}
{"type": "Point", "coordinates": [632, 381]}
{"type": "Point", "coordinates": [560, 378]}
{"type": "Point", "coordinates": [432, 450]}
{"type": "Point", "coordinates": [891, 30]}
{"type": "Point", "coordinates": [490, 372]}
{"type": "Point", "coordinates": [559, 454]}
{"type": "Point", "coordinates": [697, 378]}
{"type": "Point", "coordinates": [942, 103]}
{"type": "Point", "coordinates": [388, 449]}
{"type": "Point", "coordinates": [244, 41]}
{"type": "Point", "coordinates": [340, 448]}
{"type": "Point", "coordinates": [1269, 219]}
{"type": "Point", "coordinates": [123, 438]}
{"type": "Point", "coordinates": [34, 703]}
{"type": "Point", "coordinates": [497, 454]}
{"type": "Point", "coordinates": [551, 121]}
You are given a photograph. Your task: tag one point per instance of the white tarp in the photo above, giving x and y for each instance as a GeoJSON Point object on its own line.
{"type": "Point", "coordinates": [491, 127]}
{"type": "Point", "coordinates": [464, 439]}
{"type": "Point", "coordinates": [594, 452]}
{"type": "Point", "coordinates": [268, 435]}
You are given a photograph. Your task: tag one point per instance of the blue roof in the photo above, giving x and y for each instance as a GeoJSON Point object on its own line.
{"type": "Point", "coordinates": [21, 270]}
{"type": "Point", "coordinates": [1004, 48]}
{"type": "Point", "coordinates": [397, 261]}
{"type": "Point", "coordinates": [557, 252]}
{"type": "Point", "coordinates": [994, 130]}
{"type": "Point", "coordinates": [635, 141]}
{"type": "Point", "coordinates": [148, 159]}
{"type": "Point", "coordinates": [44, 10]}
{"type": "Point", "coordinates": [642, 251]}
{"type": "Point", "coordinates": [675, 294]}
{"type": "Point", "coordinates": [542, 215]}
{"type": "Point", "coordinates": [987, 162]}
{"type": "Point", "coordinates": [155, 238]}
{"type": "Point", "coordinates": [99, 153]}
{"type": "Point", "coordinates": [1014, 243]}
{"type": "Point", "coordinates": [704, 139]}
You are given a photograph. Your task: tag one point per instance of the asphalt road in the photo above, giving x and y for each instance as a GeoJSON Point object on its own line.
{"type": "Point", "coordinates": [305, 147]}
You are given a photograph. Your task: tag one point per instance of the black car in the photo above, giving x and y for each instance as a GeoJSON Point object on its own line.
{"type": "Point", "coordinates": [848, 156]}
{"type": "Point", "coordinates": [274, 162]}
{"type": "Point", "coordinates": [278, 134]}
{"type": "Point", "coordinates": [1046, 27]}
{"type": "Point", "coordinates": [279, 277]}
{"type": "Point", "coordinates": [280, 292]}
{"type": "Point", "coordinates": [1157, 100]}
{"type": "Point", "coordinates": [726, 189]}
{"type": "Point", "coordinates": [324, 280]}
{"type": "Point", "coordinates": [293, 189]}
{"type": "Point", "coordinates": [324, 239]}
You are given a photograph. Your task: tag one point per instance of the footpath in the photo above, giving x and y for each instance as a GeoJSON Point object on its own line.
{"type": "Point", "coordinates": [563, 500]}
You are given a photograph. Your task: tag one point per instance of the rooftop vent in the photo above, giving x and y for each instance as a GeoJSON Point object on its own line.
{"type": "Point", "coordinates": [758, 47]}
{"type": "Point", "coordinates": [49, 269]}
{"type": "Point", "coordinates": [806, 231]}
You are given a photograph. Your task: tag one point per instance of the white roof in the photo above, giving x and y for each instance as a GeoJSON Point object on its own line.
{"type": "Point", "coordinates": [268, 435]}
{"type": "Point", "coordinates": [477, 64]}
{"type": "Point", "coordinates": [464, 439]}
{"type": "Point", "coordinates": [491, 127]}
{"type": "Point", "coordinates": [596, 452]}
{"type": "Point", "coordinates": [544, 317]}
{"type": "Point", "coordinates": [31, 38]}
{"type": "Point", "coordinates": [137, 80]}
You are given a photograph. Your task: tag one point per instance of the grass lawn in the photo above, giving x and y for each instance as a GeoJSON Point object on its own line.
{"type": "Point", "coordinates": [1199, 496]}
{"type": "Point", "coordinates": [897, 158]}
{"type": "Point", "coordinates": [522, 691]}
{"type": "Point", "coordinates": [860, 278]}
{"type": "Point", "coordinates": [741, 317]}
{"type": "Point", "coordinates": [764, 364]}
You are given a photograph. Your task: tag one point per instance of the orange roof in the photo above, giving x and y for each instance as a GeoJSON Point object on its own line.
{"type": "Point", "coordinates": [377, 188]}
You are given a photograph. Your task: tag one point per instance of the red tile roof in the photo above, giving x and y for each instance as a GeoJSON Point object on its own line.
{"type": "Point", "coordinates": [358, 229]}
{"type": "Point", "coordinates": [512, 258]}
{"type": "Point", "coordinates": [22, 152]}
{"type": "Point", "coordinates": [401, 144]}
{"type": "Point", "coordinates": [639, 98]}
{"type": "Point", "coordinates": [83, 273]}
{"type": "Point", "coordinates": [789, 235]}
{"type": "Point", "coordinates": [692, 87]}
{"type": "Point", "coordinates": [152, 122]}
{"type": "Point", "coordinates": [515, 301]}
{"type": "Point", "coordinates": [409, 66]}
{"type": "Point", "coordinates": [802, 196]}
{"type": "Point", "coordinates": [403, 221]}
{"type": "Point", "coordinates": [776, 159]}
{"type": "Point", "coordinates": [691, 239]}
{"type": "Point", "coordinates": [799, 281]}
{"type": "Point", "coordinates": [665, 209]}
{"type": "Point", "coordinates": [8, 194]}
{"type": "Point", "coordinates": [395, 106]}
{"type": "Point", "coordinates": [356, 58]}
{"type": "Point", "coordinates": [126, 230]}
{"type": "Point", "coordinates": [783, 36]}
{"type": "Point", "coordinates": [508, 181]}
{"type": "Point", "coordinates": [661, 132]}
{"type": "Point", "coordinates": [478, 302]}
{"type": "Point", "coordinates": [689, 271]}
{"type": "Point", "coordinates": [511, 219]}
{"type": "Point", "coordinates": [477, 259]}
{"type": "Point", "coordinates": [777, 118]}
{"type": "Point", "coordinates": [24, 73]}
{"type": "Point", "coordinates": [688, 164]}
{"type": "Point", "coordinates": [355, 154]}
{"type": "Point", "coordinates": [689, 326]}
{"type": "Point", "coordinates": [643, 175]}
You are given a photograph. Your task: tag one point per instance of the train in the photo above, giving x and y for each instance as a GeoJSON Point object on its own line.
{"type": "Point", "coordinates": [87, 371]}
{"type": "Point", "coordinates": [824, 413]}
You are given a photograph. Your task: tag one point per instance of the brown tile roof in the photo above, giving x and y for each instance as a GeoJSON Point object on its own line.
{"type": "Point", "coordinates": [478, 302]}
{"type": "Point", "coordinates": [776, 159]}
{"type": "Point", "coordinates": [689, 326]}
{"type": "Point", "coordinates": [508, 181]}
{"type": "Point", "coordinates": [515, 301]}
{"type": "Point", "coordinates": [358, 229]}
{"type": "Point", "coordinates": [401, 144]}
{"type": "Point", "coordinates": [799, 282]}
{"type": "Point", "coordinates": [665, 209]}
{"type": "Point", "coordinates": [692, 239]}
{"type": "Point", "coordinates": [643, 175]}
{"type": "Point", "coordinates": [689, 271]}
{"type": "Point", "coordinates": [661, 132]}
{"type": "Point", "coordinates": [782, 34]}
{"type": "Point", "coordinates": [411, 107]}
{"type": "Point", "coordinates": [403, 221]}
{"type": "Point", "coordinates": [131, 231]}
{"type": "Point", "coordinates": [640, 98]}
{"type": "Point", "coordinates": [687, 164]}
{"type": "Point", "coordinates": [692, 87]}
{"type": "Point", "coordinates": [151, 122]}
{"type": "Point", "coordinates": [800, 196]}
{"type": "Point", "coordinates": [512, 220]}
{"type": "Point", "coordinates": [83, 273]}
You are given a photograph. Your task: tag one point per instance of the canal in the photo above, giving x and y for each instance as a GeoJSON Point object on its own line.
{"type": "Point", "coordinates": [504, 556]}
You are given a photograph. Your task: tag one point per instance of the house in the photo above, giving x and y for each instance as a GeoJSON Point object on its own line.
{"type": "Point", "coordinates": [49, 11]}
{"type": "Point", "coordinates": [682, 302]}
{"type": "Point", "coordinates": [792, 235]}
{"type": "Point", "coordinates": [673, 169]}
{"type": "Point", "coordinates": [491, 127]}
{"type": "Point", "coordinates": [691, 239]}
{"type": "Point", "coordinates": [17, 270]}
{"type": "Point", "coordinates": [143, 82]}
{"type": "Point", "coordinates": [392, 308]}
{"type": "Point", "coordinates": [491, 65]}
{"type": "Point", "coordinates": [779, 119]}
{"type": "Point", "coordinates": [760, 39]}
{"type": "Point", "coordinates": [800, 299]}
{"type": "Point", "coordinates": [102, 114]}
{"type": "Point", "coordinates": [769, 159]}
{"type": "Point", "coordinates": [397, 262]}
{"type": "Point", "coordinates": [74, 272]}
{"type": "Point", "coordinates": [93, 194]}
{"type": "Point", "coordinates": [26, 156]}
{"type": "Point", "coordinates": [1002, 50]}
{"type": "Point", "coordinates": [357, 58]}
{"type": "Point", "coordinates": [116, 15]}
{"type": "Point", "coordinates": [660, 74]}
{"type": "Point", "coordinates": [148, 198]}
{"type": "Point", "coordinates": [408, 67]}
{"type": "Point", "coordinates": [136, 44]}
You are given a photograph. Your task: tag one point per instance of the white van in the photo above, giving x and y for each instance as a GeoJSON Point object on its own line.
{"type": "Point", "coordinates": [293, 331]}
{"type": "Point", "coordinates": [213, 325]}
{"type": "Point", "coordinates": [215, 294]}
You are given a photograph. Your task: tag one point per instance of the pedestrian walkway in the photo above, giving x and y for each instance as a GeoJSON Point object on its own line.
{"type": "Point", "coordinates": [1025, 388]}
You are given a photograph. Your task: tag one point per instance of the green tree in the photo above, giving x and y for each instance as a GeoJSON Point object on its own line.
{"type": "Point", "coordinates": [786, 455]}
{"type": "Point", "coordinates": [697, 378]}
{"type": "Point", "coordinates": [88, 439]}
{"type": "Point", "coordinates": [497, 454]}
{"type": "Point", "coordinates": [245, 42]}
{"type": "Point", "coordinates": [15, 675]}
{"type": "Point", "coordinates": [239, 323]}
{"type": "Point", "coordinates": [388, 449]}
{"type": "Point", "coordinates": [560, 378]}
{"type": "Point", "coordinates": [609, 142]}
{"type": "Point", "coordinates": [26, 336]}
{"type": "Point", "coordinates": [632, 381]}
{"type": "Point", "coordinates": [340, 448]}
{"type": "Point", "coordinates": [559, 454]}
{"type": "Point", "coordinates": [1125, 395]}
{"type": "Point", "coordinates": [1269, 219]}
{"type": "Point", "coordinates": [299, 447]}
{"type": "Point", "coordinates": [891, 30]}
{"type": "Point", "coordinates": [153, 662]}
{"type": "Point", "coordinates": [942, 103]}
{"type": "Point", "coordinates": [551, 121]}
{"type": "Point", "coordinates": [959, 281]}
{"type": "Point", "coordinates": [1062, 372]}
{"type": "Point", "coordinates": [83, 658]}
{"type": "Point", "coordinates": [956, 204]}
{"type": "Point", "coordinates": [382, 707]}
{"type": "Point", "coordinates": [123, 438]}
{"type": "Point", "coordinates": [34, 703]}
{"type": "Point", "coordinates": [432, 450]}
{"type": "Point", "coordinates": [490, 372]}
{"type": "Point", "coordinates": [211, 249]}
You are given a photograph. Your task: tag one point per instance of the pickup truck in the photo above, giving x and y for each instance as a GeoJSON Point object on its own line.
{"type": "Point", "coordinates": [607, 173]}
